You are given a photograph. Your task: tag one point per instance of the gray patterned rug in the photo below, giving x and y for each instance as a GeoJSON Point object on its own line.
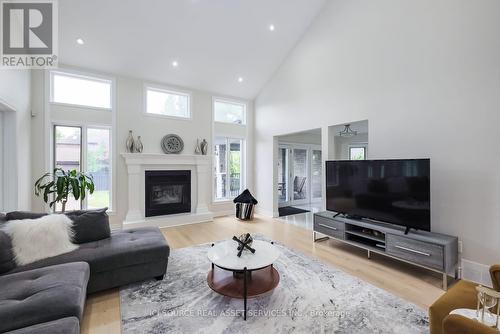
{"type": "Point", "coordinates": [311, 298]}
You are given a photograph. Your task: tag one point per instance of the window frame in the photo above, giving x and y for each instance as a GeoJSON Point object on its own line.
{"type": "Point", "coordinates": [168, 90]}
{"type": "Point", "coordinates": [363, 146]}
{"type": "Point", "coordinates": [234, 102]}
{"type": "Point", "coordinates": [91, 77]}
{"type": "Point", "coordinates": [83, 155]}
{"type": "Point", "coordinates": [228, 178]}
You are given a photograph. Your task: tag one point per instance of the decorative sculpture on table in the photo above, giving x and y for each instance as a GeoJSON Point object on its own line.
{"type": "Point", "coordinates": [244, 242]}
{"type": "Point", "coordinates": [487, 299]}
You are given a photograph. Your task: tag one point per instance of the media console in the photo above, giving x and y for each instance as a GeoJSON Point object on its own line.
{"type": "Point", "coordinates": [433, 251]}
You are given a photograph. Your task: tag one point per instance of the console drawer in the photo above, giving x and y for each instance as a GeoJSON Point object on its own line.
{"type": "Point", "coordinates": [329, 227]}
{"type": "Point", "coordinates": [423, 253]}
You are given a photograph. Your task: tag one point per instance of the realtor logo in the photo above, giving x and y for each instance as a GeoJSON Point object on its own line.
{"type": "Point", "coordinates": [29, 34]}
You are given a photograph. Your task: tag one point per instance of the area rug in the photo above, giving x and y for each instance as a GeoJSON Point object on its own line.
{"type": "Point", "coordinates": [311, 297]}
{"type": "Point", "coordinates": [290, 210]}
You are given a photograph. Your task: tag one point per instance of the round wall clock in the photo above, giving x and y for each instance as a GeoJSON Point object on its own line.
{"type": "Point", "coordinates": [172, 144]}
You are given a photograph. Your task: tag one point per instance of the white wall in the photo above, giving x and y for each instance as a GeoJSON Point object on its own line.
{"type": "Point", "coordinates": [426, 75]}
{"type": "Point", "coordinates": [130, 116]}
{"type": "Point", "coordinates": [15, 91]}
{"type": "Point", "coordinates": [342, 145]}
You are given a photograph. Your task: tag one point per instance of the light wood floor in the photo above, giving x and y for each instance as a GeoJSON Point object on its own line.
{"type": "Point", "coordinates": [420, 286]}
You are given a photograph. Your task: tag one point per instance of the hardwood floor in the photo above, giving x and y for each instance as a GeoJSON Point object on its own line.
{"type": "Point", "coordinates": [417, 285]}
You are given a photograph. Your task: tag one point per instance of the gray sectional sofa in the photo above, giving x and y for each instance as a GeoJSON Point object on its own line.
{"type": "Point", "coordinates": [48, 296]}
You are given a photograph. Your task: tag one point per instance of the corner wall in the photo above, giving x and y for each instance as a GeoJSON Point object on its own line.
{"type": "Point", "coordinates": [15, 91]}
{"type": "Point", "coordinates": [426, 75]}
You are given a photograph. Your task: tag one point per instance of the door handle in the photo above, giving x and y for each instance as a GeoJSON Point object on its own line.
{"type": "Point", "coordinates": [412, 250]}
{"type": "Point", "coordinates": [328, 227]}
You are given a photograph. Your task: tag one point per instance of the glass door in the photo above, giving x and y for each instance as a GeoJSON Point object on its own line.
{"type": "Point", "coordinates": [283, 176]}
{"type": "Point", "coordinates": [300, 172]}
{"type": "Point", "coordinates": [316, 174]}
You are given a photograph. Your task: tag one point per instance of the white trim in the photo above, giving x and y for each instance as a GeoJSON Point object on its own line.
{"type": "Point", "coordinates": [85, 76]}
{"type": "Point", "coordinates": [228, 178]}
{"type": "Point", "coordinates": [49, 123]}
{"type": "Point", "coordinates": [167, 90]}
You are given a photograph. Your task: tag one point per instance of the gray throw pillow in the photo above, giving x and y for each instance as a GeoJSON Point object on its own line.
{"type": "Point", "coordinates": [7, 262]}
{"type": "Point", "coordinates": [19, 215]}
{"type": "Point", "coordinates": [90, 225]}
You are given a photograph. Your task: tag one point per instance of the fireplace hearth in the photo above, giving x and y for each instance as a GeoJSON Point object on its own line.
{"type": "Point", "coordinates": [167, 192]}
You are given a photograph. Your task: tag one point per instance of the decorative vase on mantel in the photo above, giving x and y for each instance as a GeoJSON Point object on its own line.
{"type": "Point", "coordinates": [204, 147]}
{"type": "Point", "coordinates": [197, 149]}
{"type": "Point", "coordinates": [129, 143]}
{"type": "Point", "coordinates": [138, 147]}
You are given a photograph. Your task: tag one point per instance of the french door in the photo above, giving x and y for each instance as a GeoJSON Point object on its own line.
{"type": "Point", "coordinates": [299, 174]}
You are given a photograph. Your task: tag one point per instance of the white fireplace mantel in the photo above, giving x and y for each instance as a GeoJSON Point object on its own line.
{"type": "Point", "coordinates": [138, 163]}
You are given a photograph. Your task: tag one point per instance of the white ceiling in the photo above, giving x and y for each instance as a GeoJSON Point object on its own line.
{"type": "Point", "coordinates": [214, 41]}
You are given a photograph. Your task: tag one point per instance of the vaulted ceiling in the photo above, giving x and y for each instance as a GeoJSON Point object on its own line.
{"type": "Point", "coordinates": [216, 43]}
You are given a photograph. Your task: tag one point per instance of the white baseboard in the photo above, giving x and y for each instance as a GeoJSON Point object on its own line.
{"type": "Point", "coordinates": [264, 212]}
{"type": "Point", "coordinates": [476, 272]}
{"type": "Point", "coordinates": [170, 220]}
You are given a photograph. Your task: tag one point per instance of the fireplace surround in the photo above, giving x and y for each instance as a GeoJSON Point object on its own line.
{"type": "Point", "coordinates": [140, 163]}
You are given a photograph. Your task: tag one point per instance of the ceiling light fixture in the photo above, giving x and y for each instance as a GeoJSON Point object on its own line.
{"type": "Point", "coordinates": [175, 63]}
{"type": "Point", "coordinates": [272, 27]}
{"type": "Point", "coordinates": [348, 132]}
{"type": "Point", "coordinates": [240, 79]}
{"type": "Point", "coordinates": [80, 41]}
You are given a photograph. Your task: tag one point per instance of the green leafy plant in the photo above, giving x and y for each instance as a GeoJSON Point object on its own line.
{"type": "Point", "coordinates": [58, 186]}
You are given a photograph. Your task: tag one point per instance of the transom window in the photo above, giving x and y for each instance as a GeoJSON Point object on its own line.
{"type": "Point", "coordinates": [229, 112]}
{"type": "Point", "coordinates": [86, 91]}
{"type": "Point", "coordinates": [168, 103]}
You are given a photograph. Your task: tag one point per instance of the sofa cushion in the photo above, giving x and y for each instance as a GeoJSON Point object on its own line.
{"type": "Point", "coordinates": [7, 262]}
{"type": "Point", "coordinates": [42, 295]}
{"type": "Point", "coordinates": [19, 215]}
{"type": "Point", "coordinates": [69, 325]}
{"type": "Point", "coordinates": [90, 225]}
{"type": "Point", "coordinates": [123, 248]}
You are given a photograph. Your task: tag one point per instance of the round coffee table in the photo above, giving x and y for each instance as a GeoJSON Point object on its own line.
{"type": "Point", "coordinates": [248, 276]}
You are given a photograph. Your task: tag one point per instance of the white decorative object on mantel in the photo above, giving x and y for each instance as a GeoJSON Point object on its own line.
{"type": "Point", "coordinates": [138, 164]}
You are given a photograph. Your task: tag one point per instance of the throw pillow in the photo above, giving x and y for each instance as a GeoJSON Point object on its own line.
{"type": "Point", "coordinates": [36, 239]}
{"type": "Point", "coordinates": [90, 225]}
{"type": "Point", "coordinates": [18, 215]}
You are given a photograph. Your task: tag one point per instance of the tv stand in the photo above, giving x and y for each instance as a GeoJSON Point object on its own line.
{"type": "Point", "coordinates": [433, 251]}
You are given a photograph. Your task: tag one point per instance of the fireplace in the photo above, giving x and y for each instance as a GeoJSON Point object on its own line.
{"type": "Point", "coordinates": [167, 192]}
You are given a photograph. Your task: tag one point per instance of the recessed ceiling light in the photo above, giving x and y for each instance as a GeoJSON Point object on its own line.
{"type": "Point", "coordinates": [175, 63]}
{"type": "Point", "coordinates": [80, 41]}
{"type": "Point", "coordinates": [272, 27]}
{"type": "Point", "coordinates": [240, 79]}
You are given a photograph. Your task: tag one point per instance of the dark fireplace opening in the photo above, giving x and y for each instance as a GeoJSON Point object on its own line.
{"type": "Point", "coordinates": [168, 192]}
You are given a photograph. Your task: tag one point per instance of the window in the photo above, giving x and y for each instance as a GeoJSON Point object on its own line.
{"type": "Point", "coordinates": [70, 152]}
{"type": "Point", "coordinates": [80, 90]}
{"type": "Point", "coordinates": [167, 103]}
{"type": "Point", "coordinates": [228, 171]}
{"type": "Point", "coordinates": [357, 153]}
{"type": "Point", "coordinates": [229, 112]}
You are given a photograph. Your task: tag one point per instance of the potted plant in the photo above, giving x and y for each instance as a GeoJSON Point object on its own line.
{"type": "Point", "coordinates": [56, 187]}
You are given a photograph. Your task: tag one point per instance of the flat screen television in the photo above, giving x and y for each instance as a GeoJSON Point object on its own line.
{"type": "Point", "coordinates": [392, 191]}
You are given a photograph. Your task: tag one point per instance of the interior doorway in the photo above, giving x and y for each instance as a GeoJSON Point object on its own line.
{"type": "Point", "coordinates": [299, 169]}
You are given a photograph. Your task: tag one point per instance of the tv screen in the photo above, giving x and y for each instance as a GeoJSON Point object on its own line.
{"type": "Point", "coordinates": [392, 191]}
